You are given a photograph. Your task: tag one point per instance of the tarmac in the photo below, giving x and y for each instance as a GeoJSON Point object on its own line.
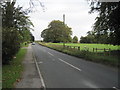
{"type": "Point", "coordinates": [30, 76]}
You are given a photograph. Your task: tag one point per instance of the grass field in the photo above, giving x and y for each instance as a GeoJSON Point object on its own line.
{"type": "Point", "coordinates": [11, 73]}
{"type": "Point", "coordinates": [106, 58]}
{"type": "Point", "coordinates": [90, 46]}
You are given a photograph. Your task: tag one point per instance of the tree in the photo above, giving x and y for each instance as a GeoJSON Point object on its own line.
{"type": "Point", "coordinates": [75, 39]}
{"type": "Point", "coordinates": [32, 38]}
{"type": "Point", "coordinates": [85, 39]}
{"type": "Point", "coordinates": [107, 20]}
{"type": "Point", "coordinates": [15, 30]}
{"type": "Point", "coordinates": [56, 32]}
{"type": "Point", "coordinates": [92, 37]}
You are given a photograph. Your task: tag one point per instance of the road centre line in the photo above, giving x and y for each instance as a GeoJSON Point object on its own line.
{"type": "Point", "coordinates": [50, 54]}
{"type": "Point", "coordinates": [70, 64]}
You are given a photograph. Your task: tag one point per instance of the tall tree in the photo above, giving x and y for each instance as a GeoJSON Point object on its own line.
{"type": "Point", "coordinates": [108, 20]}
{"type": "Point", "coordinates": [15, 29]}
{"type": "Point", "coordinates": [57, 31]}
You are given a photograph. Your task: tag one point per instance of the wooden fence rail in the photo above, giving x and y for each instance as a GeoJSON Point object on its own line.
{"type": "Point", "coordinates": [75, 47]}
{"type": "Point", "coordinates": [87, 49]}
{"type": "Point", "coordinates": [96, 49]}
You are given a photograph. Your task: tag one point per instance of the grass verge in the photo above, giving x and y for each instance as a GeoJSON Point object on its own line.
{"type": "Point", "coordinates": [12, 73]}
{"type": "Point", "coordinates": [25, 44]}
{"type": "Point", "coordinates": [100, 57]}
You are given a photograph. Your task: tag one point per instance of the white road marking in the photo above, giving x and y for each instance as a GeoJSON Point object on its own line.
{"type": "Point", "coordinates": [40, 62]}
{"type": "Point", "coordinates": [115, 88]}
{"type": "Point", "coordinates": [89, 84]}
{"type": "Point", "coordinates": [70, 64]}
{"type": "Point", "coordinates": [50, 54]}
{"type": "Point", "coordinates": [40, 75]}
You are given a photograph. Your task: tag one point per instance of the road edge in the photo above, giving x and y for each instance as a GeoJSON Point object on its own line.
{"type": "Point", "coordinates": [39, 72]}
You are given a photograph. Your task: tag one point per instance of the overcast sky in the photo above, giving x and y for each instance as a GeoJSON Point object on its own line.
{"type": "Point", "coordinates": [76, 15]}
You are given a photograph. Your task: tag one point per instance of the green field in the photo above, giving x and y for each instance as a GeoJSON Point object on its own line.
{"type": "Point", "coordinates": [90, 46]}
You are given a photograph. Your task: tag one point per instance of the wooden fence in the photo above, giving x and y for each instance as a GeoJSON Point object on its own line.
{"type": "Point", "coordinates": [96, 49]}
{"type": "Point", "coordinates": [87, 49]}
{"type": "Point", "coordinates": [73, 47]}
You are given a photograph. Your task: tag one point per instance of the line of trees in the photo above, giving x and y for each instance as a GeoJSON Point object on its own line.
{"type": "Point", "coordinates": [92, 37]}
{"type": "Point", "coordinates": [15, 30]}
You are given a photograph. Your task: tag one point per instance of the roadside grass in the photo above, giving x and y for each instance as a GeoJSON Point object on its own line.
{"type": "Point", "coordinates": [12, 73]}
{"type": "Point", "coordinates": [25, 44]}
{"type": "Point", "coordinates": [99, 57]}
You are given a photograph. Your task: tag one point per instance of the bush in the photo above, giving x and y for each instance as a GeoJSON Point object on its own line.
{"type": "Point", "coordinates": [10, 44]}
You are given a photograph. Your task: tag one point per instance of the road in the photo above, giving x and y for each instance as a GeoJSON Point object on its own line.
{"type": "Point", "coordinates": [64, 71]}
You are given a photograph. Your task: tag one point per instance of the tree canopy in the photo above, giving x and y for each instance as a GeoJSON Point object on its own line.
{"type": "Point", "coordinates": [57, 31]}
{"type": "Point", "coordinates": [108, 21]}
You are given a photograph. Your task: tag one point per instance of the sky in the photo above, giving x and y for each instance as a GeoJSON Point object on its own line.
{"type": "Point", "coordinates": [76, 15]}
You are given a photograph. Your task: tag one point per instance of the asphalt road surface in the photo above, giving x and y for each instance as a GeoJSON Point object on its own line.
{"type": "Point", "coordinates": [64, 71]}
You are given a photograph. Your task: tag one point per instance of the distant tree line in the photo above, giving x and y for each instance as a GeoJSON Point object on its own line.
{"type": "Point", "coordinates": [92, 37]}
{"type": "Point", "coordinates": [15, 30]}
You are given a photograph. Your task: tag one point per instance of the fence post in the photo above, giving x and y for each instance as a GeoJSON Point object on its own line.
{"type": "Point", "coordinates": [96, 49]}
{"type": "Point", "coordinates": [104, 49]}
{"type": "Point", "coordinates": [68, 46]}
{"type": "Point", "coordinates": [109, 51]}
{"type": "Point", "coordinates": [78, 48]}
{"type": "Point", "coordinates": [87, 49]}
{"type": "Point", "coordinates": [93, 49]}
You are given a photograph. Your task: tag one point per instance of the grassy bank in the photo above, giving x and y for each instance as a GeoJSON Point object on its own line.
{"type": "Point", "coordinates": [99, 57]}
{"type": "Point", "coordinates": [12, 73]}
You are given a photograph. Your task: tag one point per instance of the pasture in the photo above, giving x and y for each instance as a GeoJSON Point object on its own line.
{"type": "Point", "coordinates": [90, 46]}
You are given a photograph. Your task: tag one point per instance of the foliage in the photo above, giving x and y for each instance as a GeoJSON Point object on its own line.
{"type": "Point", "coordinates": [92, 37]}
{"type": "Point", "coordinates": [15, 29]}
{"type": "Point", "coordinates": [57, 31]}
{"type": "Point", "coordinates": [75, 39]}
{"type": "Point", "coordinates": [85, 39]}
{"type": "Point", "coordinates": [12, 73]}
{"type": "Point", "coordinates": [11, 45]}
{"type": "Point", "coordinates": [108, 22]}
